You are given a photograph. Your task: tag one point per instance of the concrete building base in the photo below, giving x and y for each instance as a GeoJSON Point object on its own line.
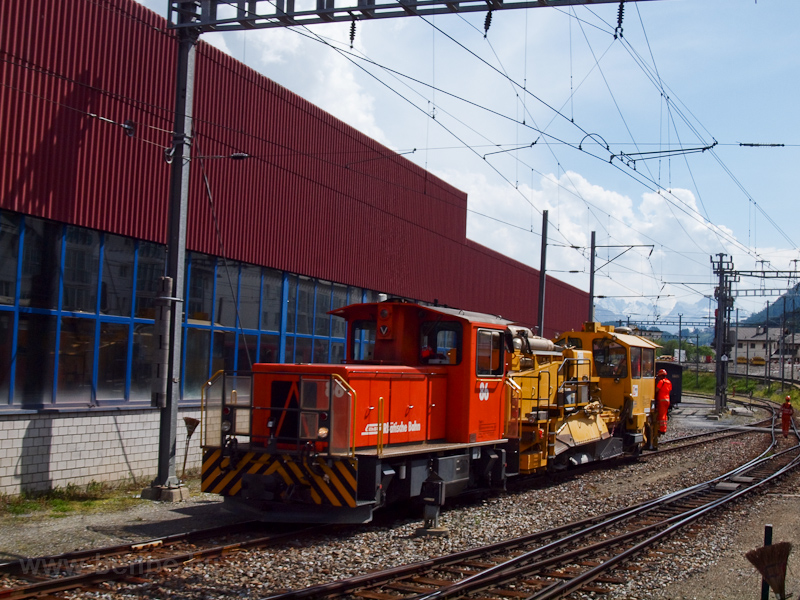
{"type": "Point", "coordinates": [53, 449]}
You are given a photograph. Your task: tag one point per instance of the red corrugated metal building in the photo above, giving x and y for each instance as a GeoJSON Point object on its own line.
{"type": "Point", "coordinates": [317, 198]}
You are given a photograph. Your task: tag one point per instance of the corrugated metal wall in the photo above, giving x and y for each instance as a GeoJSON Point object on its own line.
{"type": "Point", "coordinates": [316, 197]}
{"type": "Point", "coordinates": [63, 62]}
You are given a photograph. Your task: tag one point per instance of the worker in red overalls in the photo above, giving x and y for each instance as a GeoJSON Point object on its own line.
{"type": "Point", "coordinates": [663, 388]}
{"type": "Point", "coordinates": [786, 416]}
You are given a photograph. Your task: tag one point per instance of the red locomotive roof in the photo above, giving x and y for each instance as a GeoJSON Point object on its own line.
{"type": "Point", "coordinates": [356, 311]}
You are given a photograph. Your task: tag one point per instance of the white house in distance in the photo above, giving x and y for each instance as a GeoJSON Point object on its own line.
{"type": "Point", "coordinates": [752, 342]}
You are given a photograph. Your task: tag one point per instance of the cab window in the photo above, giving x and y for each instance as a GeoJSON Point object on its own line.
{"type": "Point", "coordinates": [489, 350]}
{"type": "Point", "coordinates": [610, 358]}
{"type": "Point", "coordinates": [440, 343]}
{"type": "Point", "coordinates": [363, 346]}
{"type": "Point", "coordinates": [571, 342]}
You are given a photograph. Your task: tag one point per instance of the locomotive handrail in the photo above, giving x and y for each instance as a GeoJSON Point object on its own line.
{"type": "Point", "coordinates": [207, 384]}
{"type": "Point", "coordinates": [379, 446]}
{"type": "Point", "coordinates": [542, 375]}
{"type": "Point", "coordinates": [341, 380]}
{"type": "Point", "coordinates": [515, 387]}
{"type": "Point", "coordinates": [512, 384]}
{"type": "Point", "coordinates": [576, 382]}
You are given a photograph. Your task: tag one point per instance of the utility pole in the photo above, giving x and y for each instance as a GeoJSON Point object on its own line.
{"type": "Point", "coordinates": [591, 281]}
{"type": "Point", "coordinates": [766, 348]}
{"type": "Point", "coordinates": [697, 359]}
{"type": "Point", "coordinates": [782, 347]}
{"type": "Point", "coordinates": [542, 273]}
{"type": "Point", "coordinates": [723, 268]}
{"type": "Point", "coordinates": [167, 486]}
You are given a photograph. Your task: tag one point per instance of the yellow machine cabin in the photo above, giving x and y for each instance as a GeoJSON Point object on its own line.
{"type": "Point", "coordinates": [586, 397]}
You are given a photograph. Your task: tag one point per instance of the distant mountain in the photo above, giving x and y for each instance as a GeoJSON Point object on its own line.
{"type": "Point", "coordinates": [790, 301]}
{"type": "Point", "coordinates": [614, 310]}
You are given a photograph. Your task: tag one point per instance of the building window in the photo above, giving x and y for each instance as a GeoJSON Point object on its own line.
{"type": "Point", "coordinates": [249, 296]}
{"type": "Point", "coordinates": [305, 306]}
{"type": "Point", "coordinates": [112, 361]}
{"type": "Point", "coordinates": [271, 300]}
{"type": "Point", "coordinates": [197, 352]}
{"type": "Point", "coordinates": [41, 264]}
{"type": "Point", "coordinates": [35, 358]}
{"type": "Point", "coordinates": [141, 362]}
{"type": "Point", "coordinates": [77, 310]}
{"type": "Point", "coordinates": [322, 320]}
{"type": "Point", "coordinates": [9, 249]}
{"type": "Point", "coordinates": [200, 289]}
{"type": "Point", "coordinates": [151, 262]}
{"type": "Point", "coordinates": [81, 259]}
{"type": "Point", "coordinates": [116, 291]}
{"type": "Point", "coordinates": [226, 293]}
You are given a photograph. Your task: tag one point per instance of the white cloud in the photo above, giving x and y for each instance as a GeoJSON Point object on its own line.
{"type": "Point", "coordinates": [681, 244]}
{"type": "Point", "coordinates": [338, 91]}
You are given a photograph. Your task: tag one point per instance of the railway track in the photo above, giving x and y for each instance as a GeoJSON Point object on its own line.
{"type": "Point", "coordinates": [131, 563]}
{"type": "Point", "coordinates": [45, 575]}
{"type": "Point", "coordinates": [589, 555]}
{"type": "Point", "coordinates": [687, 441]}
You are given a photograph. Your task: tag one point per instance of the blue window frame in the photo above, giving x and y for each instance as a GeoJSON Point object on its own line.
{"type": "Point", "coordinates": [77, 309]}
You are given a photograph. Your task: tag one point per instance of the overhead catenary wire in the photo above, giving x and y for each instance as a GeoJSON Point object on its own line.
{"type": "Point", "coordinates": [653, 185]}
{"type": "Point", "coordinates": [316, 37]}
{"type": "Point", "coordinates": [559, 188]}
{"type": "Point", "coordinates": [729, 240]}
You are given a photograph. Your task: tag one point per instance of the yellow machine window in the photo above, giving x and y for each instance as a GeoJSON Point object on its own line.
{"type": "Point", "coordinates": [648, 362]}
{"type": "Point", "coordinates": [571, 342]}
{"type": "Point", "coordinates": [636, 363]}
{"type": "Point", "coordinates": [610, 358]}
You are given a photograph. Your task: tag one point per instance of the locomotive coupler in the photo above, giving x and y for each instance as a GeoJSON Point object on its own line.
{"type": "Point", "coordinates": [230, 450]}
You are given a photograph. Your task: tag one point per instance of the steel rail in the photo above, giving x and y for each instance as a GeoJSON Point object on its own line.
{"type": "Point", "coordinates": [514, 568]}
{"type": "Point", "coordinates": [564, 588]}
{"type": "Point", "coordinates": [527, 561]}
{"type": "Point", "coordinates": [140, 567]}
{"type": "Point", "coordinates": [15, 567]}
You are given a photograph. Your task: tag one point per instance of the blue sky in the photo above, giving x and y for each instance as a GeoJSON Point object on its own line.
{"type": "Point", "coordinates": [555, 84]}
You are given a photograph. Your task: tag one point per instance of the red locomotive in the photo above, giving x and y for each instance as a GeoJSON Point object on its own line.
{"type": "Point", "coordinates": [429, 402]}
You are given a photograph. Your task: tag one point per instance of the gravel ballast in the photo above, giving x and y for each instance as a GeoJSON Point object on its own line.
{"type": "Point", "coordinates": [709, 564]}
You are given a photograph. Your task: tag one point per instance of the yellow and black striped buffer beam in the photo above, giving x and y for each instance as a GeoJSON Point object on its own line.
{"type": "Point", "coordinates": [331, 481]}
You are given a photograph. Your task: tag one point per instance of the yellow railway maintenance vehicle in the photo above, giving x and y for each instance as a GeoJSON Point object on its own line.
{"type": "Point", "coordinates": [586, 397]}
